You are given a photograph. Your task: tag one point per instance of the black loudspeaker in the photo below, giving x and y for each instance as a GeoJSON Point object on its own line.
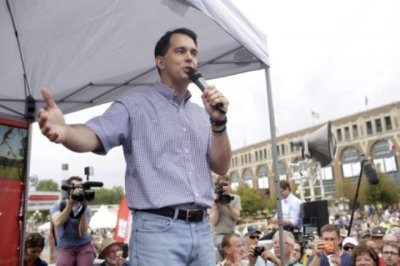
{"type": "Point", "coordinates": [315, 215]}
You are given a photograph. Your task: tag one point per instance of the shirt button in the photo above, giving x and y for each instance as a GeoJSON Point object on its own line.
{"type": "Point", "coordinates": [184, 129]}
{"type": "Point", "coordinates": [186, 151]}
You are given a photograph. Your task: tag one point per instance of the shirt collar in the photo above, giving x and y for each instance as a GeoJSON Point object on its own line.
{"type": "Point", "coordinates": [169, 93]}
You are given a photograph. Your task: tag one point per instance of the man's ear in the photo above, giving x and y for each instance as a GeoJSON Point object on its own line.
{"type": "Point", "coordinates": [160, 63]}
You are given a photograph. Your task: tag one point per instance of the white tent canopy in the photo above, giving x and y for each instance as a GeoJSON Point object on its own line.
{"type": "Point", "coordinates": [103, 218]}
{"type": "Point", "coordinates": [89, 52]}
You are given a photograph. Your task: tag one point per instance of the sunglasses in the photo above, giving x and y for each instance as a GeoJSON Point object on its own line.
{"type": "Point", "coordinates": [255, 237]}
{"type": "Point", "coordinates": [347, 248]}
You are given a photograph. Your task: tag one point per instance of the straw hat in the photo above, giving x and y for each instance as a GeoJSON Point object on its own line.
{"type": "Point", "coordinates": [105, 244]}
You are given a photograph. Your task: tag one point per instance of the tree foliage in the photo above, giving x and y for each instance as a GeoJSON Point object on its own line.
{"type": "Point", "coordinates": [386, 192]}
{"type": "Point", "coordinates": [47, 185]}
{"type": "Point", "coordinates": [252, 200]}
{"type": "Point", "coordinates": [108, 196]}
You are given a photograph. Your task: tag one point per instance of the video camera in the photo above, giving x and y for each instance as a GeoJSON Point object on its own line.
{"type": "Point", "coordinates": [222, 198]}
{"type": "Point", "coordinates": [83, 195]}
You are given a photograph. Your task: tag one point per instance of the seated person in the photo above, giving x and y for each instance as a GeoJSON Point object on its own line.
{"type": "Point", "coordinates": [34, 245]}
{"type": "Point", "coordinates": [111, 252]}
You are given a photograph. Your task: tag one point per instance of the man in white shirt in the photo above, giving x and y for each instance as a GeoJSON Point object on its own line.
{"type": "Point", "coordinates": [291, 208]}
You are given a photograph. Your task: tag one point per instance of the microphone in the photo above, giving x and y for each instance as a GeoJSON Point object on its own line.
{"type": "Point", "coordinates": [89, 184]}
{"type": "Point", "coordinates": [370, 173]}
{"type": "Point", "coordinates": [197, 78]}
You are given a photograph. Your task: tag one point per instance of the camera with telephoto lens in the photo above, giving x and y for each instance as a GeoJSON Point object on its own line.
{"type": "Point", "coordinates": [221, 197]}
{"type": "Point", "coordinates": [84, 194]}
{"type": "Point", "coordinates": [258, 250]}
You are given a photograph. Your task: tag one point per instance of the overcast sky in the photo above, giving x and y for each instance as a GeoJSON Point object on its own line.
{"type": "Point", "coordinates": [327, 57]}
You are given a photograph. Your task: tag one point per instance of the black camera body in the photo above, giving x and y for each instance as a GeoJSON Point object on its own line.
{"type": "Point", "coordinates": [258, 250]}
{"type": "Point", "coordinates": [221, 197]}
{"type": "Point", "coordinates": [84, 194]}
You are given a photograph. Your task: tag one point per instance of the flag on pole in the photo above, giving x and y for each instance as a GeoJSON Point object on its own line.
{"type": "Point", "coordinates": [314, 115]}
{"type": "Point", "coordinates": [366, 100]}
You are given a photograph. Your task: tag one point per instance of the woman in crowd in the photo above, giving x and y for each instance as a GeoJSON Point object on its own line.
{"type": "Point", "coordinates": [364, 255]}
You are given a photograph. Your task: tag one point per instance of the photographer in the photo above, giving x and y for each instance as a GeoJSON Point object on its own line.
{"type": "Point", "coordinates": [70, 219]}
{"type": "Point", "coordinates": [225, 211]}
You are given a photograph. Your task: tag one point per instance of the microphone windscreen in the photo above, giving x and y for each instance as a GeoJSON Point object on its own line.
{"type": "Point", "coordinates": [194, 74]}
{"type": "Point", "coordinates": [371, 174]}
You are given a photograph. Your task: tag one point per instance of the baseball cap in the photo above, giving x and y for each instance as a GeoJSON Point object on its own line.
{"type": "Point", "coordinates": [251, 229]}
{"type": "Point", "coordinates": [378, 231]}
{"type": "Point", "coordinates": [350, 240]}
{"type": "Point", "coordinates": [365, 234]}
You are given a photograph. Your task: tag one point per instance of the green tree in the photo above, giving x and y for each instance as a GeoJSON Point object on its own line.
{"type": "Point", "coordinates": [47, 185]}
{"type": "Point", "coordinates": [385, 193]}
{"type": "Point", "coordinates": [252, 200]}
{"type": "Point", "coordinates": [108, 196]}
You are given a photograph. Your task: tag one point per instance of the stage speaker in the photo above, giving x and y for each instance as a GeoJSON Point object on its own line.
{"type": "Point", "coordinates": [320, 145]}
{"type": "Point", "coordinates": [315, 215]}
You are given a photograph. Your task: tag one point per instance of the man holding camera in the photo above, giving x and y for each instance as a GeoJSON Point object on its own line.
{"type": "Point", "coordinates": [225, 211]}
{"type": "Point", "coordinates": [70, 219]}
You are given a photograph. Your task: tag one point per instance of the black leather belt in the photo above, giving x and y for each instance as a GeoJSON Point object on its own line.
{"type": "Point", "coordinates": [190, 216]}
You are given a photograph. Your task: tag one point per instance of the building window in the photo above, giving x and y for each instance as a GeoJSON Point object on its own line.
{"type": "Point", "coordinates": [283, 149]}
{"type": "Point", "coordinates": [241, 159]}
{"type": "Point", "coordinates": [263, 177]}
{"type": "Point", "coordinates": [256, 153]}
{"type": "Point", "coordinates": [388, 123]}
{"type": "Point", "coordinates": [369, 128]}
{"type": "Point", "coordinates": [247, 178]}
{"type": "Point", "coordinates": [249, 157]}
{"type": "Point", "coordinates": [278, 150]}
{"type": "Point", "coordinates": [384, 156]}
{"type": "Point", "coordinates": [234, 181]}
{"type": "Point", "coordinates": [265, 153]}
{"type": "Point", "coordinates": [339, 134]}
{"type": "Point", "coordinates": [378, 125]}
{"type": "Point", "coordinates": [351, 164]}
{"type": "Point", "coordinates": [347, 133]}
{"type": "Point", "coordinates": [355, 131]}
{"type": "Point", "coordinates": [327, 173]}
{"type": "Point", "coordinates": [282, 170]}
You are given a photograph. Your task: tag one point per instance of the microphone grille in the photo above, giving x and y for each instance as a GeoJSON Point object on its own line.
{"type": "Point", "coordinates": [194, 74]}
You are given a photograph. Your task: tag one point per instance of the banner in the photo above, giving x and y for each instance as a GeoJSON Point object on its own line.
{"type": "Point", "coordinates": [122, 230]}
{"type": "Point", "coordinates": [13, 149]}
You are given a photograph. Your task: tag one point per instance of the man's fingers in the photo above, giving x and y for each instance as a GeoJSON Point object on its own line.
{"type": "Point", "coordinates": [48, 98]}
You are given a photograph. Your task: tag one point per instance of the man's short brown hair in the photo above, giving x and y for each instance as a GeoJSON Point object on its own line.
{"type": "Point", "coordinates": [330, 228]}
{"type": "Point", "coordinates": [72, 178]}
{"type": "Point", "coordinates": [283, 184]}
{"type": "Point", "coordinates": [223, 178]}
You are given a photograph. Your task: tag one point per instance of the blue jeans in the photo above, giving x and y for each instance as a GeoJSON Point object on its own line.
{"type": "Point", "coordinates": [159, 240]}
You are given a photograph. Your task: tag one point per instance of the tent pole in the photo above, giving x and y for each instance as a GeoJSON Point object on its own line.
{"type": "Point", "coordinates": [275, 163]}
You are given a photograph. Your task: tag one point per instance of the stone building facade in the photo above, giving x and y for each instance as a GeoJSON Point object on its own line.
{"type": "Point", "coordinates": [374, 133]}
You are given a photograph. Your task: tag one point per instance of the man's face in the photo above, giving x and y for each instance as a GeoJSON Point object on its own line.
{"type": "Point", "coordinates": [287, 244]}
{"type": "Point", "coordinates": [252, 239]}
{"type": "Point", "coordinates": [296, 252]}
{"type": "Point", "coordinates": [78, 186]}
{"type": "Point", "coordinates": [284, 193]}
{"type": "Point", "coordinates": [33, 253]}
{"type": "Point", "coordinates": [390, 255]}
{"type": "Point", "coordinates": [235, 248]}
{"type": "Point", "coordinates": [179, 58]}
{"type": "Point", "coordinates": [113, 254]}
{"type": "Point", "coordinates": [378, 241]}
{"type": "Point", "coordinates": [331, 236]}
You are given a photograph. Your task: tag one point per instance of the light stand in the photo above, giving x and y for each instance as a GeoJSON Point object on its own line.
{"type": "Point", "coordinates": [372, 179]}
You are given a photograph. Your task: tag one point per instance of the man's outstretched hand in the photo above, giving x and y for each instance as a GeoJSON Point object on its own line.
{"type": "Point", "coordinates": [51, 119]}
